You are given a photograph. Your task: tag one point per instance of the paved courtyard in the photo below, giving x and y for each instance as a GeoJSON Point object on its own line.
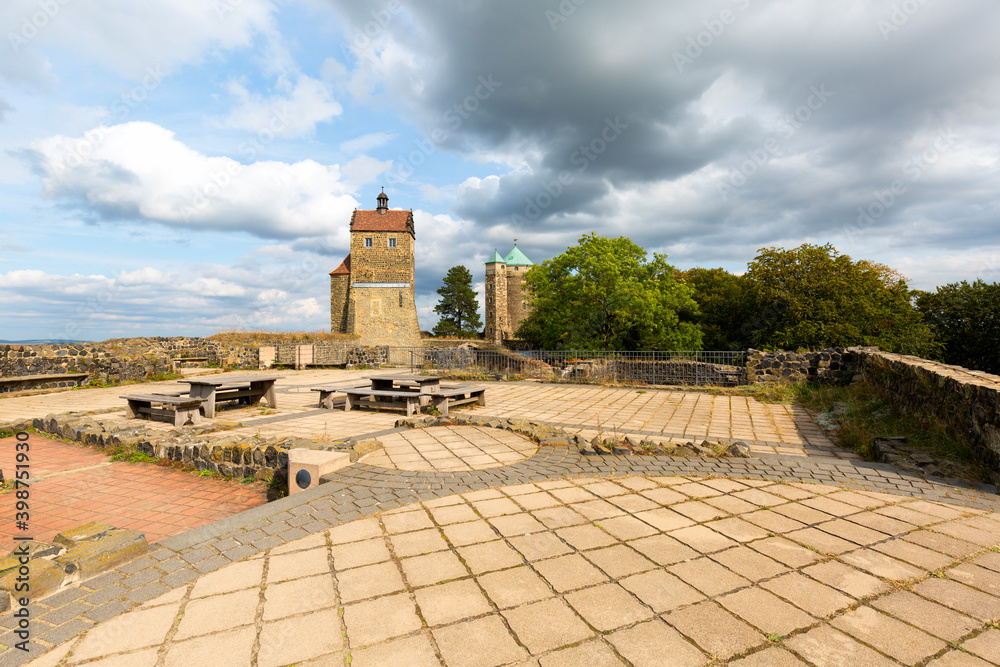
{"type": "Point", "coordinates": [468, 546]}
{"type": "Point", "coordinates": [658, 570]}
{"type": "Point", "coordinates": [675, 416]}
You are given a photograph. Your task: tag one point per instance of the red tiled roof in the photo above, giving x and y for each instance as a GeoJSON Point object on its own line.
{"type": "Point", "coordinates": [390, 221]}
{"type": "Point", "coordinates": [344, 268]}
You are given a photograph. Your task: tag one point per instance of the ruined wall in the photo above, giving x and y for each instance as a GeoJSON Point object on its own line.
{"type": "Point", "coordinates": [97, 361]}
{"type": "Point", "coordinates": [115, 360]}
{"type": "Point", "coordinates": [828, 365]}
{"type": "Point", "coordinates": [968, 401]}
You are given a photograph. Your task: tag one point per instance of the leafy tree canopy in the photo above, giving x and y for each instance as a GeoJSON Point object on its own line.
{"type": "Point", "coordinates": [458, 307]}
{"type": "Point", "coordinates": [605, 294]}
{"type": "Point", "coordinates": [723, 307]}
{"type": "Point", "coordinates": [966, 320]}
{"type": "Point", "coordinates": [813, 297]}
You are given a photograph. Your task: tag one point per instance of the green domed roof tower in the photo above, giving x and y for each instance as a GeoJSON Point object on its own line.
{"type": "Point", "coordinates": [506, 305]}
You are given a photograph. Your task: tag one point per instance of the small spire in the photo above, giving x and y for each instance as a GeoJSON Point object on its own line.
{"type": "Point", "coordinates": [383, 202]}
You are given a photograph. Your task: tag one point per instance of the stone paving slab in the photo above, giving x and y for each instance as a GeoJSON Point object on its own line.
{"type": "Point", "coordinates": [507, 534]}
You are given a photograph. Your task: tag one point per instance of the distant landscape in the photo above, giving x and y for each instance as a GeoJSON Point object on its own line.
{"type": "Point", "coordinates": [45, 341]}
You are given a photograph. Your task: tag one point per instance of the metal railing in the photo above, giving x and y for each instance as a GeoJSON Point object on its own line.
{"type": "Point", "coordinates": [587, 366]}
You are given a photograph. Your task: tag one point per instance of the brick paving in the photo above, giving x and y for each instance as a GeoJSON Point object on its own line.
{"type": "Point", "coordinates": [74, 484]}
{"type": "Point", "coordinates": [562, 559]}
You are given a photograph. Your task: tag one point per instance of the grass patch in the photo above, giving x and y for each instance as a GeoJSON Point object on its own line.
{"type": "Point", "coordinates": [132, 456]}
{"type": "Point", "coordinates": [765, 392]}
{"type": "Point", "coordinates": [857, 417]}
{"type": "Point", "coordinates": [260, 337]}
{"type": "Point", "coordinates": [6, 433]}
{"type": "Point", "coordinates": [277, 487]}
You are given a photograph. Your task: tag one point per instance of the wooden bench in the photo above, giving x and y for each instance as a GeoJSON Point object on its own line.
{"type": "Point", "coordinates": [326, 394]}
{"type": "Point", "coordinates": [355, 396]}
{"type": "Point", "coordinates": [181, 410]}
{"type": "Point", "coordinates": [452, 396]}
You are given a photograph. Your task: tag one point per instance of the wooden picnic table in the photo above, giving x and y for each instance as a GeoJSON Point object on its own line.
{"type": "Point", "coordinates": [248, 389]}
{"type": "Point", "coordinates": [425, 384]}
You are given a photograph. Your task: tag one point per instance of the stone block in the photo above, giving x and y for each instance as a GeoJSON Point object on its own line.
{"type": "Point", "coordinates": [32, 548]}
{"type": "Point", "coordinates": [306, 466]}
{"type": "Point", "coordinates": [85, 533]}
{"type": "Point", "coordinates": [43, 577]}
{"type": "Point", "coordinates": [738, 449]}
{"type": "Point", "coordinates": [86, 559]}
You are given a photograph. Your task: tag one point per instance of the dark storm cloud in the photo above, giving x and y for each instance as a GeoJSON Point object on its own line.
{"type": "Point", "coordinates": [779, 122]}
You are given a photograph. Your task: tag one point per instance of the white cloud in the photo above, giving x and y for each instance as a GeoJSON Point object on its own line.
{"type": "Point", "coordinates": [123, 35]}
{"type": "Point", "coordinates": [366, 142]}
{"type": "Point", "coordinates": [203, 299]}
{"type": "Point", "coordinates": [293, 111]}
{"type": "Point", "coordinates": [140, 171]}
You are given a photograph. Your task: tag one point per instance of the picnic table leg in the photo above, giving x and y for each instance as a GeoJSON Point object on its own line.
{"type": "Point", "coordinates": [181, 416]}
{"type": "Point", "coordinates": [207, 394]}
{"type": "Point", "coordinates": [326, 399]}
{"type": "Point", "coordinates": [409, 406]}
{"type": "Point", "coordinates": [347, 403]}
{"type": "Point", "coordinates": [442, 405]}
{"type": "Point", "coordinates": [263, 390]}
{"type": "Point", "coordinates": [132, 410]}
{"type": "Point", "coordinates": [482, 398]}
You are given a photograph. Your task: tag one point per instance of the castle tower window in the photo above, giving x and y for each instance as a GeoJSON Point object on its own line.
{"type": "Point", "coordinates": [400, 299]}
{"type": "Point", "coordinates": [392, 243]}
{"type": "Point", "coordinates": [368, 242]}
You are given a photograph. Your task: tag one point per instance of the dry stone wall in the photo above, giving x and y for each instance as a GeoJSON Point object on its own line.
{"type": "Point", "coordinates": [115, 360]}
{"type": "Point", "coordinates": [831, 365]}
{"type": "Point", "coordinates": [96, 360]}
{"type": "Point", "coordinates": [968, 401]}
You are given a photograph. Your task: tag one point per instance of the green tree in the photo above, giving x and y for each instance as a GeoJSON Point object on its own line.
{"type": "Point", "coordinates": [966, 320]}
{"type": "Point", "coordinates": [813, 297]}
{"type": "Point", "coordinates": [722, 303]}
{"type": "Point", "coordinates": [458, 307]}
{"type": "Point", "coordinates": [605, 294]}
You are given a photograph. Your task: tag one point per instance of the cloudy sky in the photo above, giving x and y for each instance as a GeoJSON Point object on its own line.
{"type": "Point", "coordinates": [188, 166]}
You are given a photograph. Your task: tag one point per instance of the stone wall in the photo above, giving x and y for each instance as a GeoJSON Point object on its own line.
{"type": "Point", "coordinates": [339, 287]}
{"type": "Point", "coordinates": [373, 357]}
{"type": "Point", "coordinates": [384, 315]}
{"type": "Point", "coordinates": [968, 401]}
{"type": "Point", "coordinates": [497, 322]}
{"type": "Point", "coordinates": [827, 365]}
{"type": "Point", "coordinates": [180, 347]}
{"type": "Point", "coordinates": [115, 360]}
{"type": "Point", "coordinates": [380, 263]}
{"type": "Point", "coordinates": [94, 359]}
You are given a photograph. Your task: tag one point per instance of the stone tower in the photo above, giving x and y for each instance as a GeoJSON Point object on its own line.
{"type": "Point", "coordinates": [506, 306]}
{"type": "Point", "coordinates": [372, 293]}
